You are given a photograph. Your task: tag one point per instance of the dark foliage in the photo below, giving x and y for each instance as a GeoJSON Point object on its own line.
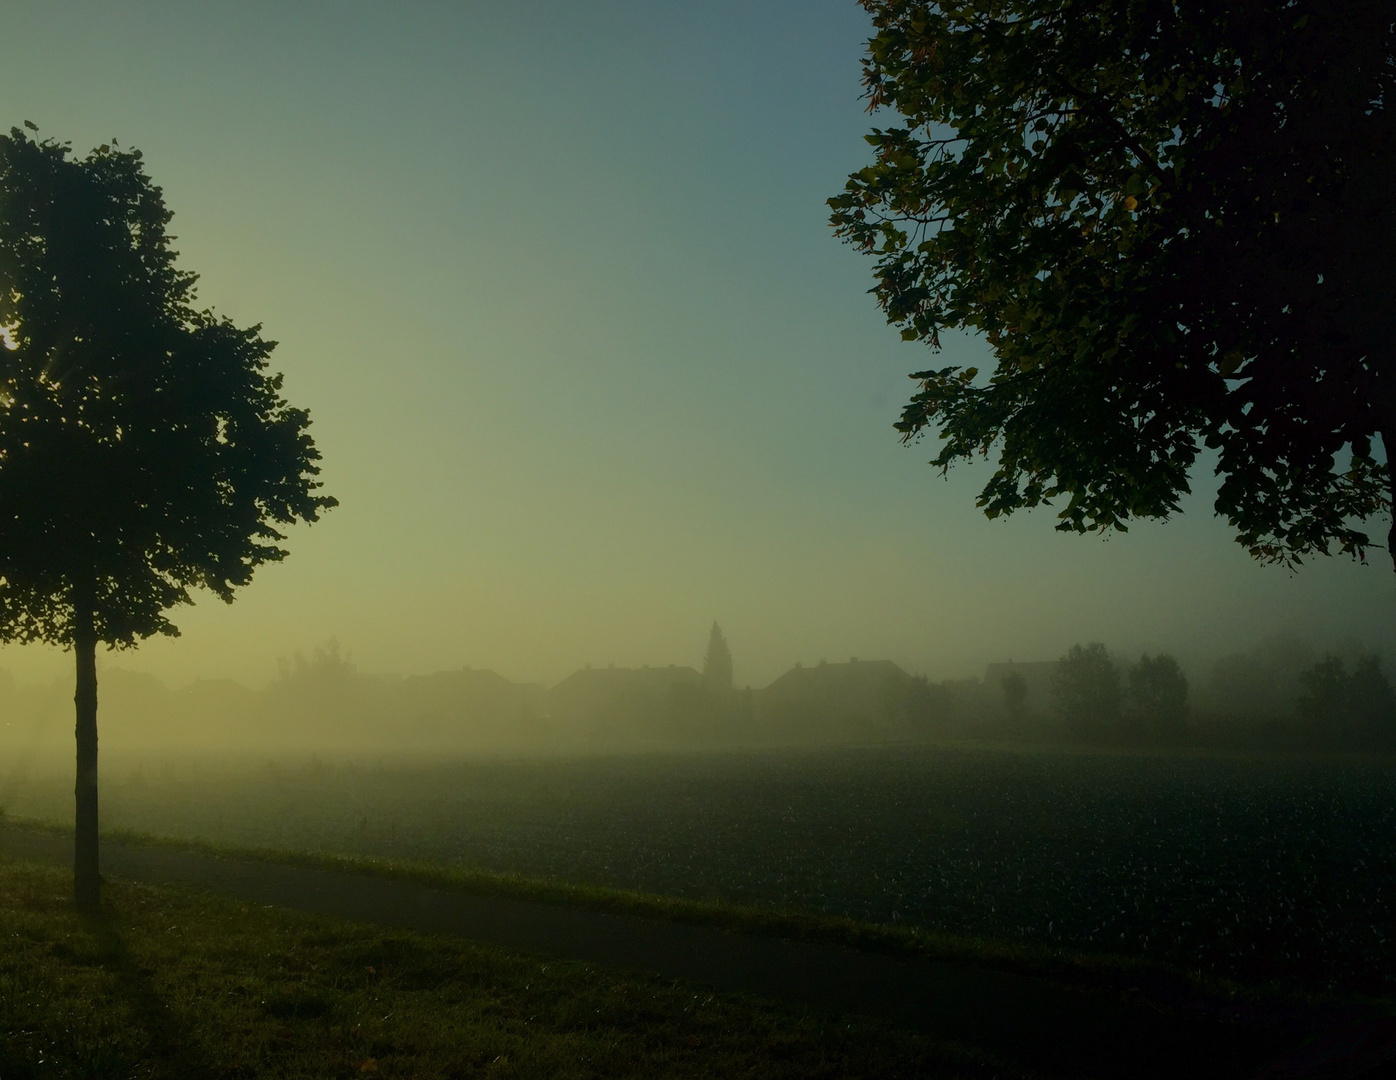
{"type": "Point", "coordinates": [1087, 691]}
{"type": "Point", "coordinates": [1351, 709]}
{"type": "Point", "coordinates": [145, 449]}
{"type": "Point", "coordinates": [925, 706]}
{"type": "Point", "coordinates": [1157, 698]}
{"type": "Point", "coordinates": [1172, 223]}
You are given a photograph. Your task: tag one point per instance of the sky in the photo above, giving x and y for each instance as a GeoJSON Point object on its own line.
{"type": "Point", "coordinates": [587, 366]}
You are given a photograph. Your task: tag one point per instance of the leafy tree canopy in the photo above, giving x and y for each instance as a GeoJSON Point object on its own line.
{"type": "Point", "coordinates": [1355, 707]}
{"type": "Point", "coordinates": [1173, 224]}
{"type": "Point", "coordinates": [145, 448]}
{"type": "Point", "coordinates": [1086, 686]}
{"type": "Point", "coordinates": [1158, 694]}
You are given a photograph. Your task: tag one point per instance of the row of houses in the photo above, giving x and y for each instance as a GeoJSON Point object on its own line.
{"type": "Point", "coordinates": [327, 703]}
{"type": "Point", "coordinates": [677, 700]}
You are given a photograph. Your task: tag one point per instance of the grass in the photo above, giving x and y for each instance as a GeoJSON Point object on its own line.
{"type": "Point", "coordinates": [174, 982]}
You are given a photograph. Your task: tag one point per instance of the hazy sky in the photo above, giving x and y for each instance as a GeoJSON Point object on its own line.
{"type": "Point", "coordinates": [587, 367]}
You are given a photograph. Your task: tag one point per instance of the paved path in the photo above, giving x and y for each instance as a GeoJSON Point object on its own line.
{"type": "Point", "coordinates": [1028, 1021]}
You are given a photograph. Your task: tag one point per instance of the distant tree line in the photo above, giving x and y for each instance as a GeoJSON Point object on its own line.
{"type": "Point", "coordinates": [1147, 702]}
{"type": "Point", "coordinates": [1353, 709]}
{"type": "Point", "coordinates": [1334, 703]}
{"type": "Point", "coordinates": [1281, 695]}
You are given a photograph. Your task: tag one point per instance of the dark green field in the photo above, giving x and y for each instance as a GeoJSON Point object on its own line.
{"type": "Point", "coordinates": [1257, 869]}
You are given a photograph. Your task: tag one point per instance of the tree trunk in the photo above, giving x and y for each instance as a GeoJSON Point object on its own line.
{"type": "Point", "coordinates": [87, 881]}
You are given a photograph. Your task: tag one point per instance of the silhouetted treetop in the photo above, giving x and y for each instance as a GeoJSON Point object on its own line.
{"type": "Point", "coordinates": [1086, 688]}
{"type": "Point", "coordinates": [1172, 223]}
{"type": "Point", "coordinates": [145, 448]}
{"type": "Point", "coordinates": [1349, 708]}
{"type": "Point", "coordinates": [1158, 695]}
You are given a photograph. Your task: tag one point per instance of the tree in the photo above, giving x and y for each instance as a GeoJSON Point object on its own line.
{"type": "Point", "coordinates": [924, 705]}
{"type": "Point", "coordinates": [1372, 701]}
{"type": "Point", "coordinates": [1356, 708]}
{"type": "Point", "coordinates": [1158, 695]}
{"type": "Point", "coordinates": [1015, 695]}
{"type": "Point", "coordinates": [717, 662]}
{"type": "Point", "coordinates": [1086, 686]}
{"type": "Point", "coordinates": [1323, 703]}
{"type": "Point", "coordinates": [145, 449]}
{"type": "Point", "coordinates": [1172, 224]}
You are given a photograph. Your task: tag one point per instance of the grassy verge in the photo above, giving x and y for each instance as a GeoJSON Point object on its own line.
{"type": "Point", "coordinates": [175, 982]}
{"type": "Point", "coordinates": [1092, 970]}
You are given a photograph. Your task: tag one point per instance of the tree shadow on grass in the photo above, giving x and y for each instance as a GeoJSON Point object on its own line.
{"type": "Point", "coordinates": [172, 1052]}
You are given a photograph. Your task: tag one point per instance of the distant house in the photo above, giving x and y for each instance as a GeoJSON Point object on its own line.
{"type": "Point", "coordinates": [611, 700]}
{"type": "Point", "coordinates": [861, 694]}
{"type": "Point", "coordinates": [1037, 679]}
{"type": "Point", "coordinates": [465, 702]}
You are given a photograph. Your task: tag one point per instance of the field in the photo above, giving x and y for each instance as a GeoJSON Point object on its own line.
{"type": "Point", "coordinates": [1257, 869]}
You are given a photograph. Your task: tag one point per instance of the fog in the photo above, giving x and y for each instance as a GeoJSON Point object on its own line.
{"type": "Point", "coordinates": [848, 786]}
{"type": "Point", "coordinates": [320, 705]}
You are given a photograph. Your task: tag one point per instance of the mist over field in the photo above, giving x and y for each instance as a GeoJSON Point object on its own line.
{"type": "Point", "coordinates": [322, 704]}
{"type": "Point", "coordinates": [1232, 819]}
{"type": "Point", "coordinates": [1264, 868]}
